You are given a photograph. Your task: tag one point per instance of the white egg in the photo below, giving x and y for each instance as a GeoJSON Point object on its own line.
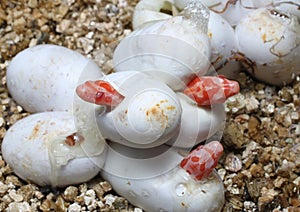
{"type": "Point", "coordinates": [44, 77]}
{"type": "Point", "coordinates": [155, 182]}
{"type": "Point", "coordinates": [45, 148]}
{"type": "Point", "coordinates": [133, 163]}
{"type": "Point", "coordinates": [220, 32]}
{"type": "Point", "coordinates": [197, 123]}
{"type": "Point", "coordinates": [147, 117]}
{"type": "Point", "coordinates": [270, 45]}
{"type": "Point", "coordinates": [232, 11]}
{"type": "Point", "coordinates": [171, 50]}
{"type": "Point", "coordinates": [151, 10]}
{"type": "Point", "coordinates": [181, 4]}
{"type": "Point", "coordinates": [223, 44]}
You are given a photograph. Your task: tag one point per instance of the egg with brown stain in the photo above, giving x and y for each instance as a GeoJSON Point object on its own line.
{"type": "Point", "coordinates": [148, 116]}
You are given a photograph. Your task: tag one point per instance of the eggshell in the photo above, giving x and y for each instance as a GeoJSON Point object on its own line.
{"type": "Point", "coordinates": [147, 117]}
{"type": "Point", "coordinates": [234, 11]}
{"type": "Point", "coordinates": [171, 50]}
{"type": "Point", "coordinates": [136, 163]}
{"type": "Point", "coordinates": [35, 148]}
{"type": "Point", "coordinates": [220, 32]}
{"type": "Point", "coordinates": [181, 4]}
{"type": "Point", "coordinates": [259, 3]}
{"type": "Point", "coordinates": [44, 77]}
{"type": "Point", "coordinates": [146, 11]}
{"type": "Point", "coordinates": [197, 123]}
{"type": "Point", "coordinates": [170, 190]}
{"type": "Point", "coordinates": [269, 39]}
{"type": "Point", "coordinates": [223, 44]}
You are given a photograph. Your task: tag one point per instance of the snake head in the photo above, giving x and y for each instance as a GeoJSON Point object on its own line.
{"type": "Point", "coordinates": [201, 161]}
{"type": "Point", "coordinates": [209, 90]}
{"type": "Point", "coordinates": [99, 92]}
